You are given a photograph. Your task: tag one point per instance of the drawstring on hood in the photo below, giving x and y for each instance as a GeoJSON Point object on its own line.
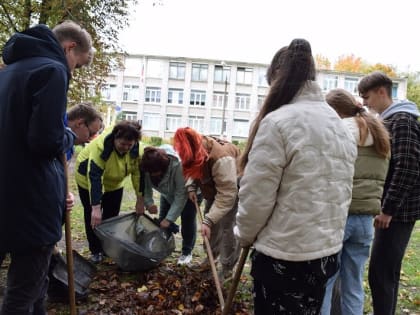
{"type": "Point", "coordinates": [401, 106]}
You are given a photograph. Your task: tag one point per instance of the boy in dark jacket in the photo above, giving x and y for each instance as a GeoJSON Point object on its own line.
{"type": "Point", "coordinates": [33, 98]}
{"type": "Point", "coordinates": [401, 196]}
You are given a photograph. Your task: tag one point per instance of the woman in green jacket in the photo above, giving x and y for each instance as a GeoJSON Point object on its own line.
{"type": "Point", "coordinates": [101, 168]}
{"type": "Point", "coordinates": [369, 177]}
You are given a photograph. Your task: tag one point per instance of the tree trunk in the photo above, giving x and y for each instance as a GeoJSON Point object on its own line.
{"type": "Point", "coordinates": [27, 13]}
{"type": "Point", "coordinates": [45, 8]}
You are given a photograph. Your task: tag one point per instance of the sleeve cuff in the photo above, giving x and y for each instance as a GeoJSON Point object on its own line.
{"type": "Point", "coordinates": [208, 222]}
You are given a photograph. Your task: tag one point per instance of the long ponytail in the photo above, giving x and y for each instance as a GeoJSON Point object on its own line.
{"type": "Point", "coordinates": [346, 106]}
{"type": "Point", "coordinates": [290, 69]}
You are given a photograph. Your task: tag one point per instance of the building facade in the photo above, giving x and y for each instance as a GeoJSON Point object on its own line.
{"type": "Point", "coordinates": [166, 93]}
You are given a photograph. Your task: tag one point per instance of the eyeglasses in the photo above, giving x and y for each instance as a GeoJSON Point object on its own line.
{"type": "Point", "coordinates": [91, 132]}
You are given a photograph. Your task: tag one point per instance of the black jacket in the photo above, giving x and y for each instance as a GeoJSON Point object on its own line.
{"type": "Point", "coordinates": [33, 92]}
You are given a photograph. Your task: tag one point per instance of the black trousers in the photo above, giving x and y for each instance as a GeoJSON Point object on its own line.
{"type": "Point", "coordinates": [290, 287]}
{"type": "Point", "coordinates": [110, 205]}
{"type": "Point", "coordinates": [27, 282]}
{"type": "Point", "coordinates": [386, 257]}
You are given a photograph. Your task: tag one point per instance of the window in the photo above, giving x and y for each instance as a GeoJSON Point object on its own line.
{"type": "Point", "coordinates": [244, 75]}
{"type": "Point", "coordinates": [394, 90]}
{"type": "Point", "coordinates": [196, 122]}
{"type": "Point", "coordinates": [240, 128]}
{"type": "Point", "coordinates": [199, 72]}
{"type": "Point", "coordinates": [260, 101]}
{"type": "Point", "coordinates": [198, 98]}
{"type": "Point", "coordinates": [262, 79]}
{"type": "Point", "coordinates": [330, 82]}
{"type": "Point", "coordinates": [215, 126]}
{"type": "Point", "coordinates": [129, 116]}
{"type": "Point", "coordinates": [350, 85]}
{"type": "Point", "coordinates": [221, 73]}
{"type": "Point", "coordinates": [173, 122]}
{"type": "Point", "coordinates": [109, 92]}
{"type": "Point", "coordinates": [175, 96]}
{"type": "Point", "coordinates": [131, 93]}
{"type": "Point", "coordinates": [177, 70]}
{"type": "Point", "coordinates": [242, 101]}
{"type": "Point", "coordinates": [218, 99]}
{"type": "Point", "coordinates": [151, 121]}
{"type": "Point", "coordinates": [152, 95]}
{"type": "Point", "coordinates": [154, 68]}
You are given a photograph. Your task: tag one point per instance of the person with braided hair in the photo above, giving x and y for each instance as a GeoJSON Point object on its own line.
{"type": "Point", "coordinates": [368, 182]}
{"type": "Point", "coordinates": [295, 190]}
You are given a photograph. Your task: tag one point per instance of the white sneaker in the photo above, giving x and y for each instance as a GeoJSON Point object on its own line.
{"type": "Point", "coordinates": [184, 259]}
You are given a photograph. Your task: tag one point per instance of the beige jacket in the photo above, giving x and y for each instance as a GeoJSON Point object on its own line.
{"type": "Point", "coordinates": [219, 182]}
{"type": "Point", "coordinates": [296, 188]}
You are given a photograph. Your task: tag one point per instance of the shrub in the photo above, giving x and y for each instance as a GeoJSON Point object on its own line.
{"type": "Point", "coordinates": [155, 141]}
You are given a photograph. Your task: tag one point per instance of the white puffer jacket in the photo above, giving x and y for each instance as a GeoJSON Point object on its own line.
{"type": "Point", "coordinates": [296, 189]}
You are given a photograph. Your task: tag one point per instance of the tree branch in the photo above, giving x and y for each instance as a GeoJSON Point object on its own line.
{"type": "Point", "coordinates": [8, 17]}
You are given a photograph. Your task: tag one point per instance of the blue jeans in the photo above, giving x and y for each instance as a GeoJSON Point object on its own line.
{"type": "Point", "coordinates": [188, 222]}
{"type": "Point", "coordinates": [385, 265]}
{"type": "Point", "coordinates": [358, 236]}
{"type": "Point", "coordinates": [27, 282]}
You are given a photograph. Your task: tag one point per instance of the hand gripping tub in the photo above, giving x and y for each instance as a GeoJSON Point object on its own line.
{"type": "Point", "coordinates": [135, 243]}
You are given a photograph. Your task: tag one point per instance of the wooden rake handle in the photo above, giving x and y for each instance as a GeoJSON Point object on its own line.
{"type": "Point", "coordinates": [235, 281]}
{"type": "Point", "coordinates": [69, 252]}
{"type": "Point", "coordinates": [211, 260]}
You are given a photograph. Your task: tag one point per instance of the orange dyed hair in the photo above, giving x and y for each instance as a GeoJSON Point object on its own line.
{"type": "Point", "coordinates": [188, 144]}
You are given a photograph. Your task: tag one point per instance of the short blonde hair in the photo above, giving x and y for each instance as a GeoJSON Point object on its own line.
{"type": "Point", "coordinates": [71, 31]}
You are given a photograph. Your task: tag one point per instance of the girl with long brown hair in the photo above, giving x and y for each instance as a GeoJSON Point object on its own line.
{"type": "Point", "coordinates": [368, 182]}
{"type": "Point", "coordinates": [296, 188]}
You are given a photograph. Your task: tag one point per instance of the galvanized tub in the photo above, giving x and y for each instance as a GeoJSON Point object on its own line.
{"type": "Point", "coordinates": [135, 243]}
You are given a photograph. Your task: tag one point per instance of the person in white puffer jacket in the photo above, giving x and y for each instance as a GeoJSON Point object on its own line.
{"type": "Point", "coordinates": [296, 188]}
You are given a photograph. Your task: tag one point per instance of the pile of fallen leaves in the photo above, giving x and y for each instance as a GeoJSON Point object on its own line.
{"type": "Point", "coordinates": [168, 289]}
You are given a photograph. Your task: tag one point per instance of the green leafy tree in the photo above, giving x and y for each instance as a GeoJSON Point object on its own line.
{"type": "Point", "coordinates": [103, 19]}
{"type": "Point", "coordinates": [413, 88]}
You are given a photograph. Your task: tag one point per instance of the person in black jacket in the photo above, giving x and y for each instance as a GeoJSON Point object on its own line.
{"type": "Point", "coordinates": [33, 98]}
{"type": "Point", "coordinates": [401, 196]}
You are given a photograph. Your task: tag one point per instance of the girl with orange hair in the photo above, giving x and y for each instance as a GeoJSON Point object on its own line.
{"type": "Point", "coordinates": [210, 165]}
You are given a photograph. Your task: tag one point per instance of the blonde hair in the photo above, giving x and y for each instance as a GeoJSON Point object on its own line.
{"type": "Point", "coordinates": [71, 31]}
{"type": "Point", "coordinates": [346, 106]}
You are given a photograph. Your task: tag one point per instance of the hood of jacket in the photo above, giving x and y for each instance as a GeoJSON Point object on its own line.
{"type": "Point", "coordinates": [401, 106]}
{"type": "Point", "coordinates": [37, 41]}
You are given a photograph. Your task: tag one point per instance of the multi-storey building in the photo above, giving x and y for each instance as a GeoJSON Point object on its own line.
{"type": "Point", "coordinates": [166, 93]}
